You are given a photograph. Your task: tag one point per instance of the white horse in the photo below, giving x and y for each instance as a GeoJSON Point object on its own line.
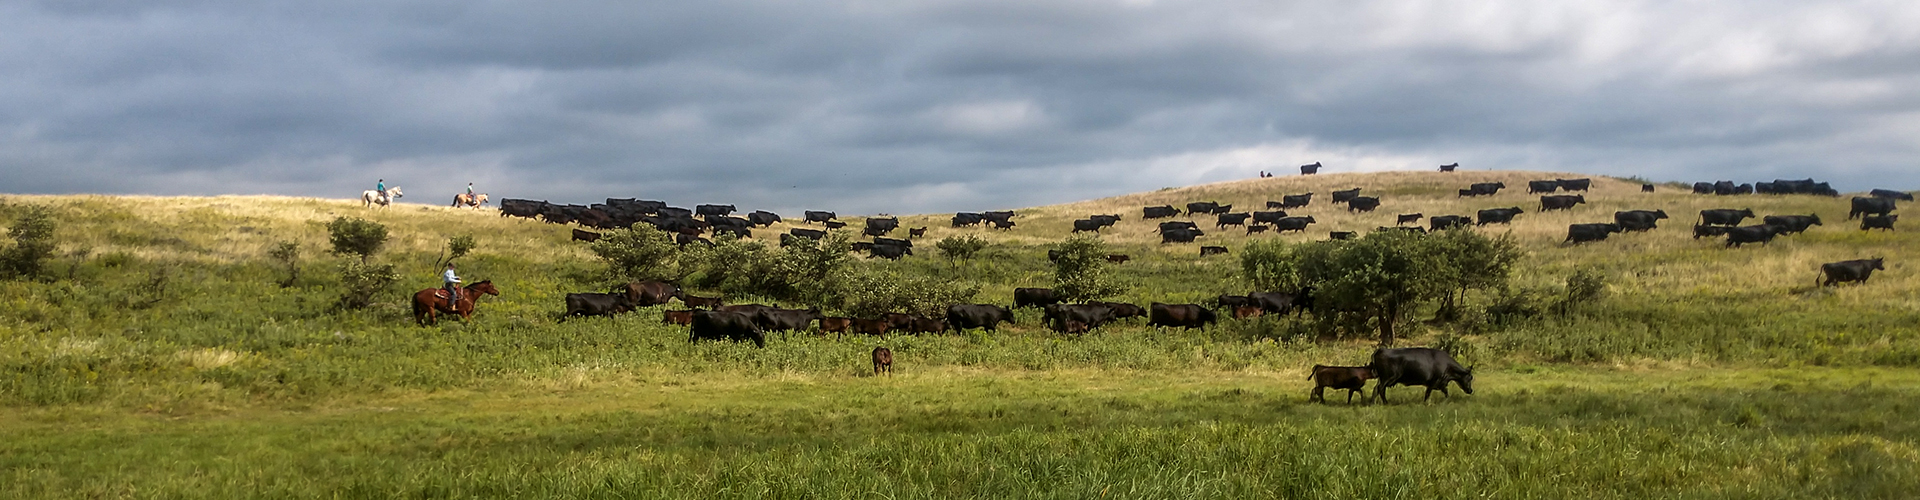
{"type": "Point", "coordinates": [371, 197]}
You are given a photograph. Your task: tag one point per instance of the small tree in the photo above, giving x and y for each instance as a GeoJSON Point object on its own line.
{"type": "Point", "coordinates": [287, 253]}
{"type": "Point", "coordinates": [735, 267]}
{"type": "Point", "coordinates": [961, 248]}
{"type": "Point", "coordinates": [1584, 285]}
{"type": "Point", "coordinates": [1080, 272]}
{"type": "Point", "coordinates": [32, 243]}
{"type": "Point", "coordinates": [1471, 262]}
{"type": "Point", "coordinates": [639, 254]}
{"type": "Point", "coordinates": [356, 236]}
{"type": "Point", "coordinates": [457, 247]}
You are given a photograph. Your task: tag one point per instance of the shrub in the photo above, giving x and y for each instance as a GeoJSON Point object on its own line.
{"type": "Point", "coordinates": [1080, 270]}
{"type": "Point", "coordinates": [287, 253]}
{"type": "Point", "coordinates": [639, 254]}
{"type": "Point", "coordinates": [360, 282]}
{"type": "Point", "coordinates": [1382, 276]}
{"type": "Point", "coordinates": [1583, 286]}
{"type": "Point", "coordinates": [872, 294]}
{"type": "Point", "coordinates": [457, 247]}
{"type": "Point", "coordinates": [809, 271]}
{"type": "Point", "coordinates": [356, 236]}
{"type": "Point", "coordinates": [32, 243]}
{"type": "Point", "coordinates": [734, 267]}
{"type": "Point", "coordinates": [962, 248]}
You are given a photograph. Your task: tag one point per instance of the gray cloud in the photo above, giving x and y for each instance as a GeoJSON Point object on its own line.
{"type": "Point", "coordinates": [936, 106]}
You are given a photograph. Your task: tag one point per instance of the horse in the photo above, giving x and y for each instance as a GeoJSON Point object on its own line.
{"type": "Point", "coordinates": [475, 202]}
{"type": "Point", "coordinates": [370, 196]}
{"type": "Point", "coordinates": [428, 304]}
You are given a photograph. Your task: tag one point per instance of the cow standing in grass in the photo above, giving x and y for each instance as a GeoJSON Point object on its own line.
{"type": "Point", "coordinates": [1352, 378]}
{"type": "Point", "coordinates": [1850, 271]}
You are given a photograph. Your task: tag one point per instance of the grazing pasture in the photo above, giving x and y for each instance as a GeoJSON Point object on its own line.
{"type": "Point", "coordinates": [159, 355]}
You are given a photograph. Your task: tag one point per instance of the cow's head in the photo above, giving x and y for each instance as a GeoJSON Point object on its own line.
{"type": "Point", "coordinates": [1465, 379]}
{"type": "Point", "coordinates": [1879, 263]}
{"type": "Point", "coordinates": [1816, 219]}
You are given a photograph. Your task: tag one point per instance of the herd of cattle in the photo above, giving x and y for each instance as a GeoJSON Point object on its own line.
{"type": "Point", "coordinates": [709, 318]}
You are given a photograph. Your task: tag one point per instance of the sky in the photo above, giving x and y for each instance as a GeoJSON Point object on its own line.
{"type": "Point", "coordinates": [903, 106]}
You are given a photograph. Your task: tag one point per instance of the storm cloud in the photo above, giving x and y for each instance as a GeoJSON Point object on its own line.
{"type": "Point", "coordinates": [908, 107]}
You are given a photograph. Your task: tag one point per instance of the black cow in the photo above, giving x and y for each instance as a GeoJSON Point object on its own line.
{"type": "Point", "coordinates": [1292, 224]}
{"type": "Point", "coordinates": [1352, 378]}
{"type": "Point", "coordinates": [1202, 207]}
{"type": "Point", "coordinates": [1702, 188]}
{"type": "Point", "coordinates": [892, 241]}
{"type": "Point", "coordinates": [1180, 315]}
{"type": "Point", "coordinates": [881, 226]}
{"type": "Point", "coordinates": [1086, 225]}
{"type": "Point", "coordinates": [889, 252]}
{"type": "Point", "coordinates": [684, 239]}
{"type": "Point", "coordinates": [1743, 189]}
{"type": "Point", "coordinates": [1724, 217]}
{"type": "Point", "coordinates": [1343, 235]}
{"type": "Point", "coordinates": [1404, 229]}
{"type": "Point", "coordinates": [970, 316]}
{"type": "Point", "coordinates": [1225, 301]}
{"type": "Point", "coordinates": [1363, 204]}
{"type": "Point", "coordinates": [1160, 212]}
{"type": "Point", "coordinates": [1122, 309]}
{"type": "Point", "coordinates": [1571, 185]}
{"type": "Point", "coordinates": [1704, 231]}
{"type": "Point", "coordinates": [964, 219]}
{"type": "Point", "coordinates": [1890, 194]}
{"type": "Point", "coordinates": [997, 216]}
{"type": "Point", "coordinates": [811, 234]}
{"type": "Point", "coordinates": [1001, 224]}
{"type": "Point", "coordinates": [1790, 224]}
{"type": "Point", "coordinates": [1034, 297]}
{"type": "Point", "coordinates": [738, 232]}
{"type": "Point", "coordinates": [1061, 317]}
{"type": "Point", "coordinates": [596, 304]}
{"type": "Point", "coordinates": [1172, 225]}
{"type": "Point", "coordinates": [1258, 228]}
{"type": "Point", "coordinates": [1269, 217]}
{"type": "Point", "coordinates": [1762, 234]}
{"type": "Point", "coordinates": [734, 326]}
{"type": "Point", "coordinates": [1296, 200]}
{"type": "Point", "coordinates": [1498, 215]}
{"type": "Point", "coordinates": [1310, 169]}
{"type": "Point", "coordinates": [1274, 302]}
{"type": "Point", "coordinates": [1180, 235]}
{"type": "Point", "coordinates": [1105, 220]}
{"type": "Point", "coordinates": [819, 216]}
{"type": "Point", "coordinates": [1486, 188]}
{"type": "Point", "coordinates": [1639, 220]}
{"type": "Point", "coordinates": [1442, 222]}
{"type": "Point", "coordinates": [584, 235]}
{"type": "Point", "coordinates": [1466, 193]}
{"type": "Point", "coordinates": [1542, 186]}
{"type": "Point", "coordinates": [1418, 366]}
{"type": "Point", "coordinates": [1117, 258]}
{"type": "Point", "coordinates": [713, 209]}
{"type": "Point", "coordinates": [1224, 220]}
{"type": "Point", "coordinates": [1449, 167]}
{"type": "Point", "coordinates": [1582, 233]}
{"type": "Point", "coordinates": [771, 319]}
{"type": "Point", "coordinates": [1345, 196]}
{"type": "Point", "coordinates": [1406, 218]}
{"type": "Point", "coordinates": [1878, 222]}
{"type": "Point", "coordinates": [763, 218]}
{"type": "Point", "coordinates": [1870, 206]}
{"type": "Point", "coordinates": [648, 293]}
{"type": "Point", "coordinates": [1646, 188]}
{"type": "Point", "coordinates": [510, 207]}
{"type": "Point", "coordinates": [1561, 202]}
{"type": "Point", "coordinates": [834, 224]}
{"type": "Point", "coordinates": [1725, 188]}
{"type": "Point", "coordinates": [1850, 271]}
{"type": "Point", "coordinates": [1205, 251]}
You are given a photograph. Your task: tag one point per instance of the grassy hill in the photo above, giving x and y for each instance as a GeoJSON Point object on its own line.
{"type": "Point", "coordinates": [158, 357]}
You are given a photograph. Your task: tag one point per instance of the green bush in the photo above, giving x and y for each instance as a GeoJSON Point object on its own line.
{"type": "Point", "coordinates": [809, 270]}
{"type": "Point", "coordinates": [32, 243]}
{"type": "Point", "coordinates": [360, 282]}
{"type": "Point", "coordinates": [961, 248]}
{"type": "Point", "coordinates": [641, 253]}
{"type": "Point", "coordinates": [869, 294]}
{"type": "Point", "coordinates": [1080, 270]}
{"type": "Point", "coordinates": [287, 253]}
{"type": "Point", "coordinates": [356, 236]}
{"type": "Point", "coordinates": [734, 267]}
{"type": "Point", "coordinates": [1384, 276]}
{"type": "Point", "coordinates": [457, 247]}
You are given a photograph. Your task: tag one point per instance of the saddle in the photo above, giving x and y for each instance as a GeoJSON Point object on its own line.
{"type": "Point", "coordinates": [442, 294]}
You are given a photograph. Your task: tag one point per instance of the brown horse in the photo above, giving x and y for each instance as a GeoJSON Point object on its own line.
{"type": "Point", "coordinates": [428, 304]}
{"type": "Point", "coordinates": [474, 201]}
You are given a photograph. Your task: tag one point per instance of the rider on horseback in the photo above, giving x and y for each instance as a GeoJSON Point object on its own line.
{"type": "Point", "coordinates": [452, 283]}
{"type": "Point", "coordinates": [382, 189]}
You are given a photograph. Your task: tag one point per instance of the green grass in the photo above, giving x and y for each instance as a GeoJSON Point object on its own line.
{"type": "Point", "coordinates": [159, 358]}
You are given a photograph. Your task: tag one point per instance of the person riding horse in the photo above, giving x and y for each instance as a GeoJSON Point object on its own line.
{"type": "Point", "coordinates": [381, 188]}
{"type": "Point", "coordinates": [451, 282]}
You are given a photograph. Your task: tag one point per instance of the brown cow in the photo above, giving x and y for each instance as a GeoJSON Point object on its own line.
{"type": "Point", "coordinates": [835, 324]}
{"type": "Point", "coordinates": [682, 318]}
{"type": "Point", "coordinates": [916, 232]}
{"type": "Point", "coordinates": [882, 361]}
{"type": "Point", "coordinates": [697, 301]}
{"type": "Point", "coordinates": [1244, 312]}
{"type": "Point", "coordinates": [1351, 378]}
{"type": "Point", "coordinates": [869, 326]}
{"type": "Point", "coordinates": [1117, 258]}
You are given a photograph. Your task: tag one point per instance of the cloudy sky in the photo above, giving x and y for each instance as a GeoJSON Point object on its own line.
{"type": "Point", "coordinates": [925, 106]}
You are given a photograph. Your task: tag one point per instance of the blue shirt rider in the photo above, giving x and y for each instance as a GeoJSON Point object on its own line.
{"type": "Point", "coordinates": [452, 283]}
{"type": "Point", "coordinates": [381, 188]}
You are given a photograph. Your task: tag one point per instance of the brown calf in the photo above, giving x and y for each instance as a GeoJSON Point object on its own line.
{"type": "Point", "coordinates": [1351, 378]}
{"type": "Point", "coordinates": [882, 361]}
{"type": "Point", "coordinates": [682, 318]}
{"type": "Point", "coordinates": [869, 326]}
{"type": "Point", "coordinates": [835, 324]}
{"type": "Point", "coordinates": [916, 232]}
{"type": "Point", "coordinates": [1244, 312]}
{"type": "Point", "coordinates": [692, 300]}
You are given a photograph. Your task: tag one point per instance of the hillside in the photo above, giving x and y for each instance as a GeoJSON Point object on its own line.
{"type": "Point", "coordinates": [159, 330]}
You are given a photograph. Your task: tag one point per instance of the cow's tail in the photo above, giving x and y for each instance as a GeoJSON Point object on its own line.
{"type": "Point", "coordinates": [1314, 371]}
